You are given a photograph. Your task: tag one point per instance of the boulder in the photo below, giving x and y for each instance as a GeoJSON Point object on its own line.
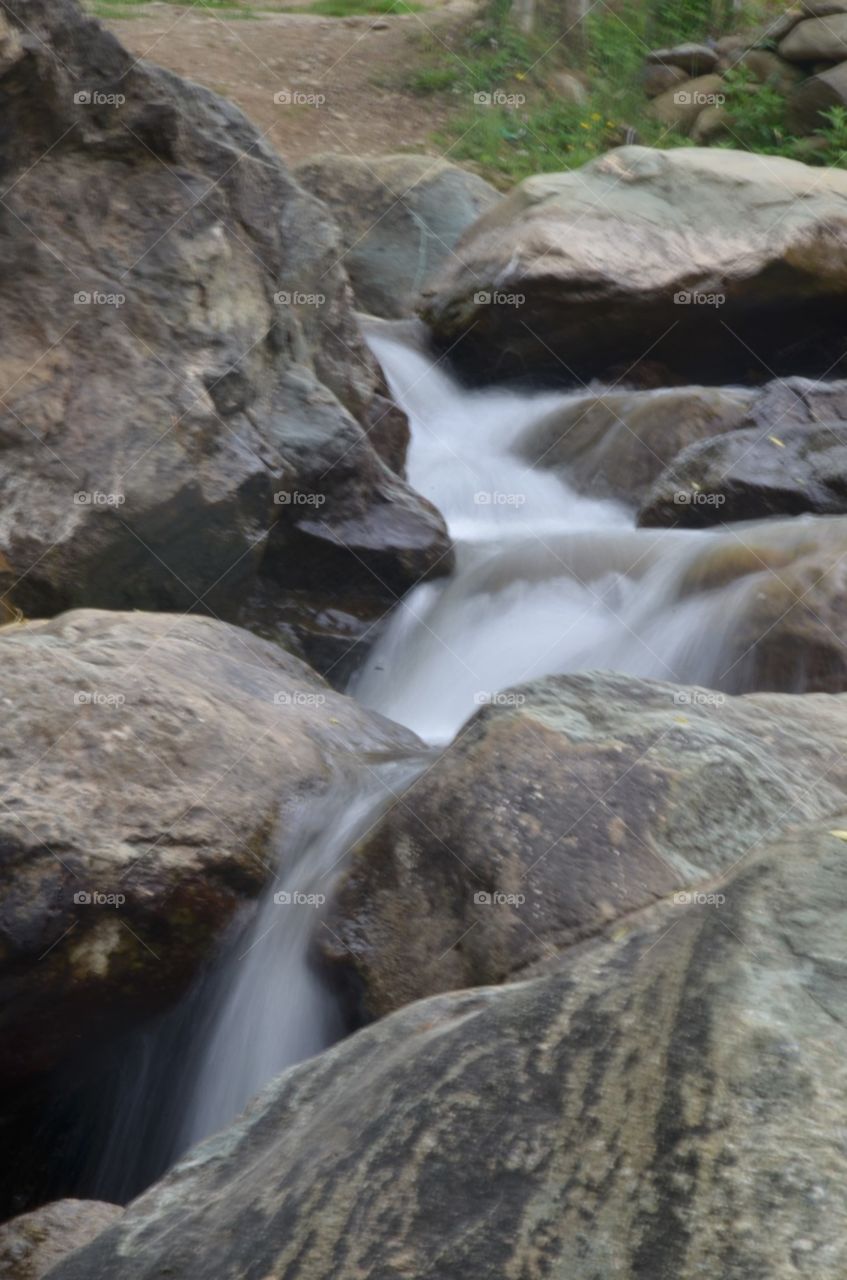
{"type": "Point", "coordinates": [813, 97]}
{"type": "Point", "coordinates": [617, 443]}
{"type": "Point", "coordinates": [154, 765]}
{"type": "Point", "coordinates": [566, 806]}
{"type": "Point", "coordinates": [399, 218]}
{"type": "Point", "coordinates": [568, 88]}
{"type": "Point", "coordinates": [679, 108]}
{"type": "Point", "coordinates": [817, 38]}
{"type": "Point", "coordinates": [187, 389]}
{"type": "Point", "coordinates": [790, 457]}
{"type": "Point", "coordinates": [33, 1242]}
{"type": "Point", "coordinates": [665, 1100]}
{"type": "Point", "coordinates": [712, 122]}
{"type": "Point", "coordinates": [747, 476]}
{"type": "Point", "coordinates": [576, 274]}
{"type": "Point", "coordinates": [693, 59]}
{"type": "Point", "coordinates": [657, 79]}
{"type": "Point", "coordinates": [765, 67]}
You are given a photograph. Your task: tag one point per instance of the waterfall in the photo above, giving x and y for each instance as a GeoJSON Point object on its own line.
{"type": "Point", "coordinates": [547, 580]}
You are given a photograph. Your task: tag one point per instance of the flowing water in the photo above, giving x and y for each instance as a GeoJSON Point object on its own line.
{"type": "Point", "coordinates": [546, 581]}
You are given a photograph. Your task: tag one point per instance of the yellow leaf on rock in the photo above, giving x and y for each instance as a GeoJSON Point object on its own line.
{"type": "Point", "coordinates": [778, 443]}
{"type": "Point", "coordinates": [841, 835]}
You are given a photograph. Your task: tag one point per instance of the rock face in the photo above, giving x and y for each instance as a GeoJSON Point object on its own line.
{"type": "Point", "coordinates": [679, 107]}
{"type": "Point", "coordinates": [186, 385]}
{"type": "Point", "coordinates": [816, 95]}
{"type": "Point", "coordinates": [577, 801]}
{"type": "Point", "coordinates": [400, 217]}
{"type": "Point", "coordinates": [745, 475]}
{"type": "Point", "coordinates": [32, 1243]}
{"type": "Point", "coordinates": [714, 263]}
{"type": "Point", "coordinates": [616, 444]}
{"type": "Point", "coordinates": [666, 1101]}
{"type": "Point", "coordinates": [816, 40]}
{"type": "Point", "coordinates": [152, 764]}
{"type": "Point", "coordinates": [790, 457]}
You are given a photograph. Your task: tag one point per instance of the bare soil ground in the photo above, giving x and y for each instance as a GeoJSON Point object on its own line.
{"type": "Point", "coordinates": [354, 64]}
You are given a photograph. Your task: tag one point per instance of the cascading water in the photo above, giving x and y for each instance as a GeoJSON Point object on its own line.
{"type": "Point", "coordinates": [546, 581]}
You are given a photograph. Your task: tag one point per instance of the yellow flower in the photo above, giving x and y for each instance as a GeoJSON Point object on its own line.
{"type": "Point", "coordinates": [596, 116]}
{"type": "Point", "coordinates": [583, 125]}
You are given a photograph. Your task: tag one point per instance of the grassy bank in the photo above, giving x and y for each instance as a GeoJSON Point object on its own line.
{"type": "Point", "coordinates": [512, 118]}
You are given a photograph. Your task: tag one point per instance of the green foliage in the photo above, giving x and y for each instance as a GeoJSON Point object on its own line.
{"type": "Point", "coordinates": [532, 130]}
{"type": "Point", "coordinates": [348, 8]}
{"type": "Point", "coordinates": [756, 115]}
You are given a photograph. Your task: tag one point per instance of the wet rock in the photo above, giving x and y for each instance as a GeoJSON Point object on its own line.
{"type": "Point", "coordinates": [587, 271]}
{"type": "Point", "coordinates": [400, 217]}
{"type": "Point", "coordinates": [32, 1243]}
{"type": "Point", "coordinates": [569, 804]}
{"type": "Point", "coordinates": [184, 372]}
{"type": "Point", "coordinates": [664, 1100]}
{"type": "Point", "coordinates": [790, 457]}
{"type": "Point", "coordinates": [617, 443]}
{"type": "Point", "coordinates": [154, 764]}
{"type": "Point", "coordinates": [747, 476]}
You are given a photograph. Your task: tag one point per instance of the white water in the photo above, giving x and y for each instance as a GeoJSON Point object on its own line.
{"type": "Point", "coordinates": [546, 581]}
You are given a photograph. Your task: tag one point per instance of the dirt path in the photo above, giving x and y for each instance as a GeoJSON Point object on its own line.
{"type": "Point", "coordinates": [354, 64]}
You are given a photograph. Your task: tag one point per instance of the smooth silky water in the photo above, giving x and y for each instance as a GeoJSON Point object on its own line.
{"type": "Point", "coordinates": [547, 581]}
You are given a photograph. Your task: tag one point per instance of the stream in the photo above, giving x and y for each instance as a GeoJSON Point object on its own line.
{"type": "Point", "coordinates": [547, 581]}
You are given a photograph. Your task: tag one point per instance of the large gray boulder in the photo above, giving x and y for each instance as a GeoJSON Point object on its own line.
{"type": "Point", "coordinates": [617, 443]}
{"type": "Point", "coordinates": [746, 475]}
{"type": "Point", "coordinates": [33, 1242]}
{"type": "Point", "coordinates": [821, 39]}
{"type": "Point", "coordinates": [154, 766]}
{"type": "Point", "coordinates": [399, 217]}
{"type": "Point", "coordinates": [570, 804]}
{"type": "Point", "coordinates": [713, 263]}
{"type": "Point", "coordinates": [186, 390]}
{"type": "Point", "coordinates": [667, 1100]}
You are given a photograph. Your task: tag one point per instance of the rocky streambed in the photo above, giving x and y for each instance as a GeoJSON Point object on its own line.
{"type": "Point", "coordinates": [428, 733]}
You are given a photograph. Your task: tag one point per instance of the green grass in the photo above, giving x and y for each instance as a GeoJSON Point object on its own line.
{"type": "Point", "coordinates": [124, 8]}
{"type": "Point", "coordinates": [350, 8]}
{"type": "Point", "coordinates": [543, 133]}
